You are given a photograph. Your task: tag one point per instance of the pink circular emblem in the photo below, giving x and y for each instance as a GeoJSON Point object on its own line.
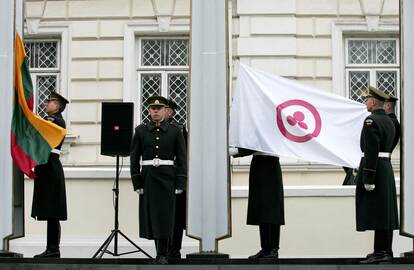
{"type": "Point", "coordinates": [298, 118]}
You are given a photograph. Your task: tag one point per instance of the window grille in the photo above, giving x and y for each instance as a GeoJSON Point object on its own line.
{"type": "Point", "coordinates": [163, 70]}
{"type": "Point", "coordinates": [43, 57]}
{"type": "Point", "coordinates": [45, 84]}
{"type": "Point", "coordinates": [372, 51]}
{"type": "Point", "coordinates": [42, 54]}
{"type": "Point", "coordinates": [151, 85]}
{"type": "Point", "coordinates": [164, 52]}
{"type": "Point", "coordinates": [359, 82]}
{"type": "Point", "coordinates": [177, 84]}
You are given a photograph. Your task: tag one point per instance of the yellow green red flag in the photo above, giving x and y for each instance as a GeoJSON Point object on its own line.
{"type": "Point", "coordinates": [32, 137]}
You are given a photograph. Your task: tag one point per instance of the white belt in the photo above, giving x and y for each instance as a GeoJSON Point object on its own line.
{"type": "Point", "coordinates": [381, 154]}
{"type": "Point", "coordinates": [157, 162]}
{"type": "Point", "coordinates": [55, 151]}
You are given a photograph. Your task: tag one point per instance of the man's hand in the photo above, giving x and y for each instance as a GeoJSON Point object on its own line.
{"type": "Point", "coordinates": [369, 187]}
{"type": "Point", "coordinates": [178, 191]}
{"type": "Point", "coordinates": [140, 191]}
{"type": "Point", "coordinates": [233, 151]}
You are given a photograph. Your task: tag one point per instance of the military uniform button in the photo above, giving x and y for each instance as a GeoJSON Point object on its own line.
{"type": "Point", "coordinates": [158, 129]}
{"type": "Point", "coordinates": [156, 147]}
{"type": "Point", "coordinates": [157, 138]}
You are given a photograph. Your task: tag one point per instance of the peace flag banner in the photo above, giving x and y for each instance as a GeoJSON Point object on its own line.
{"type": "Point", "coordinates": [279, 116]}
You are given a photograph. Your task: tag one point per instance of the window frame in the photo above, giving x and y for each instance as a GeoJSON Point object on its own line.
{"type": "Point", "coordinates": [372, 68]}
{"type": "Point", "coordinates": [163, 70]}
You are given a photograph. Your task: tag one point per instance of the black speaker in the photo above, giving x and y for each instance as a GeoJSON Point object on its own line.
{"type": "Point", "coordinates": [116, 128]}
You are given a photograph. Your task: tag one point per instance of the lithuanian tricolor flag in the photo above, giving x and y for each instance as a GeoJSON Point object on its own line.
{"type": "Point", "coordinates": [32, 138]}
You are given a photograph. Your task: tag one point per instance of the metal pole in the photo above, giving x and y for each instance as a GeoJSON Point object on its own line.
{"type": "Point", "coordinates": [7, 26]}
{"type": "Point", "coordinates": [116, 206]}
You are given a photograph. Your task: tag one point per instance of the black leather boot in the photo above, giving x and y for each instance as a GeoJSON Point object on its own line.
{"type": "Point", "coordinates": [271, 254]}
{"type": "Point", "coordinates": [378, 257]}
{"type": "Point", "coordinates": [50, 252]}
{"type": "Point", "coordinates": [259, 254]}
{"type": "Point", "coordinates": [53, 241]}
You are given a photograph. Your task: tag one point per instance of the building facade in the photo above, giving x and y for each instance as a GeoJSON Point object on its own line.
{"type": "Point", "coordinates": [93, 51]}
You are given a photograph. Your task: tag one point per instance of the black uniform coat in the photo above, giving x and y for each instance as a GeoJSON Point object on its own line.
{"type": "Point", "coordinates": [376, 209]}
{"type": "Point", "coordinates": [266, 199]}
{"type": "Point", "coordinates": [157, 204]}
{"type": "Point", "coordinates": [49, 193]}
{"type": "Point", "coordinates": [181, 199]}
{"type": "Point", "coordinates": [397, 126]}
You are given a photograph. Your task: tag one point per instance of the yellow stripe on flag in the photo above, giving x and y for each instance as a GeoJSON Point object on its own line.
{"type": "Point", "coordinates": [52, 133]}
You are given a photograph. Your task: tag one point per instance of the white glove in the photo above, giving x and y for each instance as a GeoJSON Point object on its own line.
{"type": "Point", "coordinates": [233, 151]}
{"type": "Point", "coordinates": [178, 191]}
{"type": "Point", "coordinates": [140, 191]}
{"type": "Point", "coordinates": [369, 187]}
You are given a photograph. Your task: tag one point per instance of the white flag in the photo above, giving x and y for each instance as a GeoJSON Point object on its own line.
{"type": "Point", "coordinates": [278, 116]}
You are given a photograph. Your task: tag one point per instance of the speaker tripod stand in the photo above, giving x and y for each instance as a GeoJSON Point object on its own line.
{"type": "Point", "coordinates": [116, 231]}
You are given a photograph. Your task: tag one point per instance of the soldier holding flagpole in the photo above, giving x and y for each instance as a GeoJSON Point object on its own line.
{"type": "Point", "coordinates": [49, 193]}
{"type": "Point", "coordinates": [376, 197]}
{"type": "Point", "coordinates": [266, 200]}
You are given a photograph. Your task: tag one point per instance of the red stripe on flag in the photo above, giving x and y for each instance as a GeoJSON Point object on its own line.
{"type": "Point", "coordinates": [25, 163]}
{"type": "Point", "coordinates": [30, 103]}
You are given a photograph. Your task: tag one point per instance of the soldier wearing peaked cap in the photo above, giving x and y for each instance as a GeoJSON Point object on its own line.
{"type": "Point", "coordinates": [389, 107]}
{"type": "Point", "coordinates": [175, 243]}
{"type": "Point", "coordinates": [159, 176]}
{"type": "Point", "coordinates": [49, 192]}
{"type": "Point", "coordinates": [376, 199]}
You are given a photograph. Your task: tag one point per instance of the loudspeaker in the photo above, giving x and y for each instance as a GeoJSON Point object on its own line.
{"type": "Point", "coordinates": [116, 128]}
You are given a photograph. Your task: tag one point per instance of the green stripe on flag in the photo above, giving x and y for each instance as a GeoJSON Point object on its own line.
{"type": "Point", "coordinates": [28, 138]}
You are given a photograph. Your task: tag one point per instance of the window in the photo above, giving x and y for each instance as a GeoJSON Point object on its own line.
{"type": "Point", "coordinates": [163, 70]}
{"type": "Point", "coordinates": [44, 67]}
{"type": "Point", "coordinates": [372, 62]}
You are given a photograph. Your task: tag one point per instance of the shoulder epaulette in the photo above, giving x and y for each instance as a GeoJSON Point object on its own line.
{"type": "Point", "coordinates": [369, 122]}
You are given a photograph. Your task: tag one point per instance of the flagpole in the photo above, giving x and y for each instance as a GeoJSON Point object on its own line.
{"type": "Point", "coordinates": [11, 180]}
{"type": "Point", "coordinates": [208, 176]}
{"type": "Point", "coordinates": [7, 26]}
{"type": "Point", "coordinates": [407, 129]}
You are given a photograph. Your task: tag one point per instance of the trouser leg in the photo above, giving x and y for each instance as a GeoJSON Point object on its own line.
{"type": "Point", "coordinates": [264, 236]}
{"type": "Point", "coordinates": [389, 241]}
{"type": "Point", "coordinates": [383, 240]}
{"type": "Point", "coordinates": [162, 247]}
{"type": "Point", "coordinates": [177, 239]}
{"type": "Point", "coordinates": [53, 234]}
{"type": "Point", "coordinates": [274, 236]}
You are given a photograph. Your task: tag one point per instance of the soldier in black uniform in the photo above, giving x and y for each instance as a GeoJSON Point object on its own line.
{"type": "Point", "coordinates": [266, 200]}
{"type": "Point", "coordinates": [376, 198]}
{"type": "Point", "coordinates": [175, 243]}
{"type": "Point", "coordinates": [49, 193]}
{"type": "Point", "coordinates": [159, 175]}
{"type": "Point", "coordinates": [389, 107]}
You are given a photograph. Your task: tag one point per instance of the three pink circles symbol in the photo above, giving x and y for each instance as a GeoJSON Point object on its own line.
{"type": "Point", "coordinates": [297, 118]}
